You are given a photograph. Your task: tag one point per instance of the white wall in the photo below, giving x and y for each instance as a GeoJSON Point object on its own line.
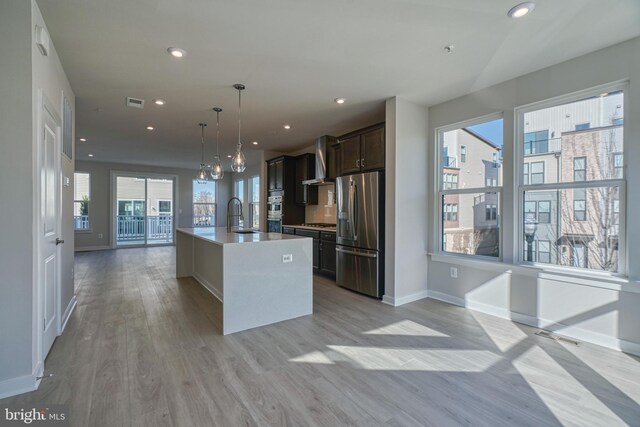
{"type": "Point", "coordinates": [568, 303]}
{"type": "Point", "coordinates": [100, 206]}
{"type": "Point", "coordinates": [23, 72]}
{"type": "Point", "coordinates": [406, 204]}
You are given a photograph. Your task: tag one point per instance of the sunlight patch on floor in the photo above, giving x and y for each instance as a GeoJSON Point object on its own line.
{"type": "Point", "coordinates": [406, 327]}
{"type": "Point", "coordinates": [399, 359]}
{"type": "Point", "coordinates": [557, 388]}
{"type": "Point", "coordinates": [504, 335]}
{"type": "Point", "coordinates": [315, 357]}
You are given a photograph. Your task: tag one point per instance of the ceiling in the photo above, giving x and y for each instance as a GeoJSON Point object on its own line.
{"type": "Point", "coordinates": [295, 57]}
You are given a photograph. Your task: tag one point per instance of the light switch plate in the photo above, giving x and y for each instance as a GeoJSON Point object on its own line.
{"type": "Point", "coordinates": [67, 181]}
{"type": "Point", "coordinates": [454, 272]}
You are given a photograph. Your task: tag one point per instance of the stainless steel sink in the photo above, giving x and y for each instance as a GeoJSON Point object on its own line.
{"type": "Point", "coordinates": [245, 231]}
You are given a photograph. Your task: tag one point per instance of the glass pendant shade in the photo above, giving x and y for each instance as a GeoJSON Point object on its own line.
{"type": "Point", "coordinates": [217, 171]}
{"type": "Point", "coordinates": [238, 162]}
{"type": "Point", "coordinates": [202, 175]}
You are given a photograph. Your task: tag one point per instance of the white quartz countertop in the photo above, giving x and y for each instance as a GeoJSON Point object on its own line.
{"type": "Point", "coordinates": [220, 236]}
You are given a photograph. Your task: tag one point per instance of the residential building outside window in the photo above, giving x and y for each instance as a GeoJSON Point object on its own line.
{"type": "Point", "coordinates": [254, 205]}
{"type": "Point", "coordinates": [81, 200]}
{"type": "Point", "coordinates": [204, 203]}
{"type": "Point", "coordinates": [470, 189]}
{"type": "Point", "coordinates": [536, 142]}
{"type": "Point", "coordinates": [574, 190]}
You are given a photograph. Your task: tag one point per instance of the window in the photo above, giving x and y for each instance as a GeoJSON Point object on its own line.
{"type": "Point", "coordinates": [204, 203]}
{"type": "Point", "coordinates": [254, 205]}
{"type": "Point", "coordinates": [617, 122]}
{"type": "Point", "coordinates": [165, 207]}
{"type": "Point", "coordinates": [580, 204]}
{"type": "Point", "coordinates": [544, 212]}
{"type": "Point", "coordinates": [81, 200]}
{"type": "Point", "coordinates": [451, 212]}
{"type": "Point", "coordinates": [537, 173]}
{"type": "Point", "coordinates": [469, 203]}
{"type": "Point", "coordinates": [544, 251]}
{"type": "Point", "coordinates": [536, 142]}
{"type": "Point", "coordinates": [579, 168]}
{"type": "Point", "coordinates": [450, 181]}
{"type": "Point", "coordinates": [574, 192]}
{"type": "Point", "coordinates": [618, 166]}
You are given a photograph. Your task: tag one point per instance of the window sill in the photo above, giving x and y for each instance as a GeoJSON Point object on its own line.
{"type": "Point", "coordinates": [594, 279]}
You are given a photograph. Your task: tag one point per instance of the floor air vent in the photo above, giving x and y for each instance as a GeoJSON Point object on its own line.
{"type": "Point", "coordinates": [551, 335]}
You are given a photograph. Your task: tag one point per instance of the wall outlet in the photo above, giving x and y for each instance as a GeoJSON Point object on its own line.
{"type": "Point", "coordinates": [287, 258]}
{"type": "Point", "coordinates": [454, 272]}
{"type": "Point", "coordinates": [100, 236]}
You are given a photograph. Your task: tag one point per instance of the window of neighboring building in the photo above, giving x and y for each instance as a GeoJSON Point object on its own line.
{"type": "Point", "coordinates": [579, 168]}
{"type": "Point", "coordinates": [165, 207]}
{"type": "Point", "coordinates": [536, 142]}
{"type": "Point", "coordinates": [617, 122]}
{"type": "Point", "coordinates": [537, 173]}
{"type": "Point", "coordinates": [204, 203]}
{"type": "Point", "coordinates": [81, 200]}
{"type": "Point", "coordinates": [469, 212]}
{"type": "Point", "coordinates": [577, 190]}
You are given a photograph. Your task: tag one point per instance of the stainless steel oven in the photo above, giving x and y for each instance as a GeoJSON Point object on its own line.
{"type": "Point", "coordinates": [274, 214]}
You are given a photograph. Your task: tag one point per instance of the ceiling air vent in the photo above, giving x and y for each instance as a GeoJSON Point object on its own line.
{"type": "Point", "coordinates": [135, 102]}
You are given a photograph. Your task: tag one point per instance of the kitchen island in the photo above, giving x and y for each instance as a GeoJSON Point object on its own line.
{"type": "Point", "coordinates": [256, 278]}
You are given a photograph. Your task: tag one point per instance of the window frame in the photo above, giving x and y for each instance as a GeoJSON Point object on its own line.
{"type": "Point", "coordinates": [520, 188]}
{"type": "Point", "coordinates": [441, 192]}
{"type": "Point", "coordinates": [214, 204]}
{"type": "Point", "coordinates": [89, 229]}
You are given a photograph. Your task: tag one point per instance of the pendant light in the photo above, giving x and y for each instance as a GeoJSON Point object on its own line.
{"type": "Point", "coordinates": [202, 176]}
{"type": "Point", "coordinates": [217, 171]}
{"type": "Point", "coordinates": [238, 162]}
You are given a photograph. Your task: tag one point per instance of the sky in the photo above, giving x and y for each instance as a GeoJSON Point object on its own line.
{"type": "Point", "coordinates": [490, 130]}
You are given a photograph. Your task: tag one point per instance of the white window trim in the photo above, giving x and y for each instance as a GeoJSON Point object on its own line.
{"type": "Point", "coordinates": [520, 188]}
{"type": "Point", "coordinates": [440, 192]}
{"type": "Point", "coordinates": [90, 229]}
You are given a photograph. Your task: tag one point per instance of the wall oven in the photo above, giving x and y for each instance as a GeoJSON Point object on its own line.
{"type": "Point", "coordinates": [274, 214]}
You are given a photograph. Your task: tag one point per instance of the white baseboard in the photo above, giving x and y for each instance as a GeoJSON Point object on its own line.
{"type": "Point", "coordinates": [91, 248]}
{"type": "Point", "coordinates": [405, 299]}
{"type": "Point", "coordinates": [67, 314]}
{"type": "Point", "coordinates": [19, 385]}
{"type": "Point", "coordinates": [574, 332]}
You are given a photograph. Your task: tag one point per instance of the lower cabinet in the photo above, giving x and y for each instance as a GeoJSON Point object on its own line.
{"type": "Point", "coordinates": [324, 250]}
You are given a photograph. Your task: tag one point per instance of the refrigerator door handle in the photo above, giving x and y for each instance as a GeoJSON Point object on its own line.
{"type": "Point", "coordinates": [356, 221]}
{"type": "Point", "coordinates": [362, 254]}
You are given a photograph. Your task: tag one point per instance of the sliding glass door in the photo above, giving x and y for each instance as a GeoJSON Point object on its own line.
{"type": "Point", "coordinates": [143, 209]}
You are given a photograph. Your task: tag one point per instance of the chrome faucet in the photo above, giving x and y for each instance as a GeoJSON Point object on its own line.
{"type": "Point", "coordinates": [240, 216]}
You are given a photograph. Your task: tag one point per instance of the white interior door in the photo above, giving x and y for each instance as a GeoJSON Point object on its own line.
{"type": "Point", "coordinates": [49, 229]}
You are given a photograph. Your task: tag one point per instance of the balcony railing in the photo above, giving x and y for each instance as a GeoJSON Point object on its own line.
{"type": "Point", "coordinates": [552, 145]}
{"type": "Point", "coordinates": [131, 228]}
{"type": "Point", "coordinates": [81, 222]}
{"type": "Point", "coordinates": [449, 162]}
{"type": "Point", "coordinates": [204, 221]}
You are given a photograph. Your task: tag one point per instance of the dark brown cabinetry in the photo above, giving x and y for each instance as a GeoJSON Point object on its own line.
{"type": "Point", "coordinates": [305, 169]}
{"type": "Point", "coordinates": [288, 230]}
{"type": "Point", "coordinates": [281, 181]}
{"type": "Point", "coordinates": [275, 174]}
{"type": "Point", "coordinates": [324, 250]}
{"type": "Point", "coordinates": [362, 150]}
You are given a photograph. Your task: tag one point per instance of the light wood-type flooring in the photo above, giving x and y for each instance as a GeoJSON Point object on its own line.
{"type": "Point", "coordinates": [140, 350]}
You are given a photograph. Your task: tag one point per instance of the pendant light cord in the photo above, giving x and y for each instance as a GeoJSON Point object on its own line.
{"type": "Point", "coordinates": [202, 125]}
{"type": "Point", "coordinates": [239, 110]}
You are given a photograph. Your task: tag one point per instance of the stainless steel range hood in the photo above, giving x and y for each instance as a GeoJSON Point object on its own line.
{"type": "Point", "coordinates": [322, 147]}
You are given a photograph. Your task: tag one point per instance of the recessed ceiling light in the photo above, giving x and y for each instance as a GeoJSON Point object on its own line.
{"type": "Point", "coordinates": [448, 49]}
{"type": "Point", "coordinates": [176, 52]}
{"type": "Point", "coordinates": [522, 9]}
{"type": "Point", "coordinates": [158, 101]}
{"type": "Point", "coordinates": [287, 127]}
{"type": "Point", "coordinates": [150, 128]}
{"type": "Point", "coordinates": [90, 155]}
{"type": "Point", "coordinates": [255, 142]}
{"type": "Point", "coordinates": [602, 94]}
{"type": "Point", "coordinates": [229, 156]}
{"type": "Point", "coordinates": [339, 100]}
{"type": "Point", "coordinates": [83, 139]}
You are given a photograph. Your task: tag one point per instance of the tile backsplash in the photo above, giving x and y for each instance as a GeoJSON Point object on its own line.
{"type": "Point", "coordinates": [325, 210]}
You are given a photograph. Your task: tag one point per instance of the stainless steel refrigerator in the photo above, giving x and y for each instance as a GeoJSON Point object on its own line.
{"type": "Point", "coordinates": [360, 233]}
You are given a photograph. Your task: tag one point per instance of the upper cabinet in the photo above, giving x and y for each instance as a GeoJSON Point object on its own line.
{"type": "Point", "coordinates": [275, 174]}
{"type": "Point", "coordinates": [362, 150]}
{"type": "Point", "coordinates": [306, 169]}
